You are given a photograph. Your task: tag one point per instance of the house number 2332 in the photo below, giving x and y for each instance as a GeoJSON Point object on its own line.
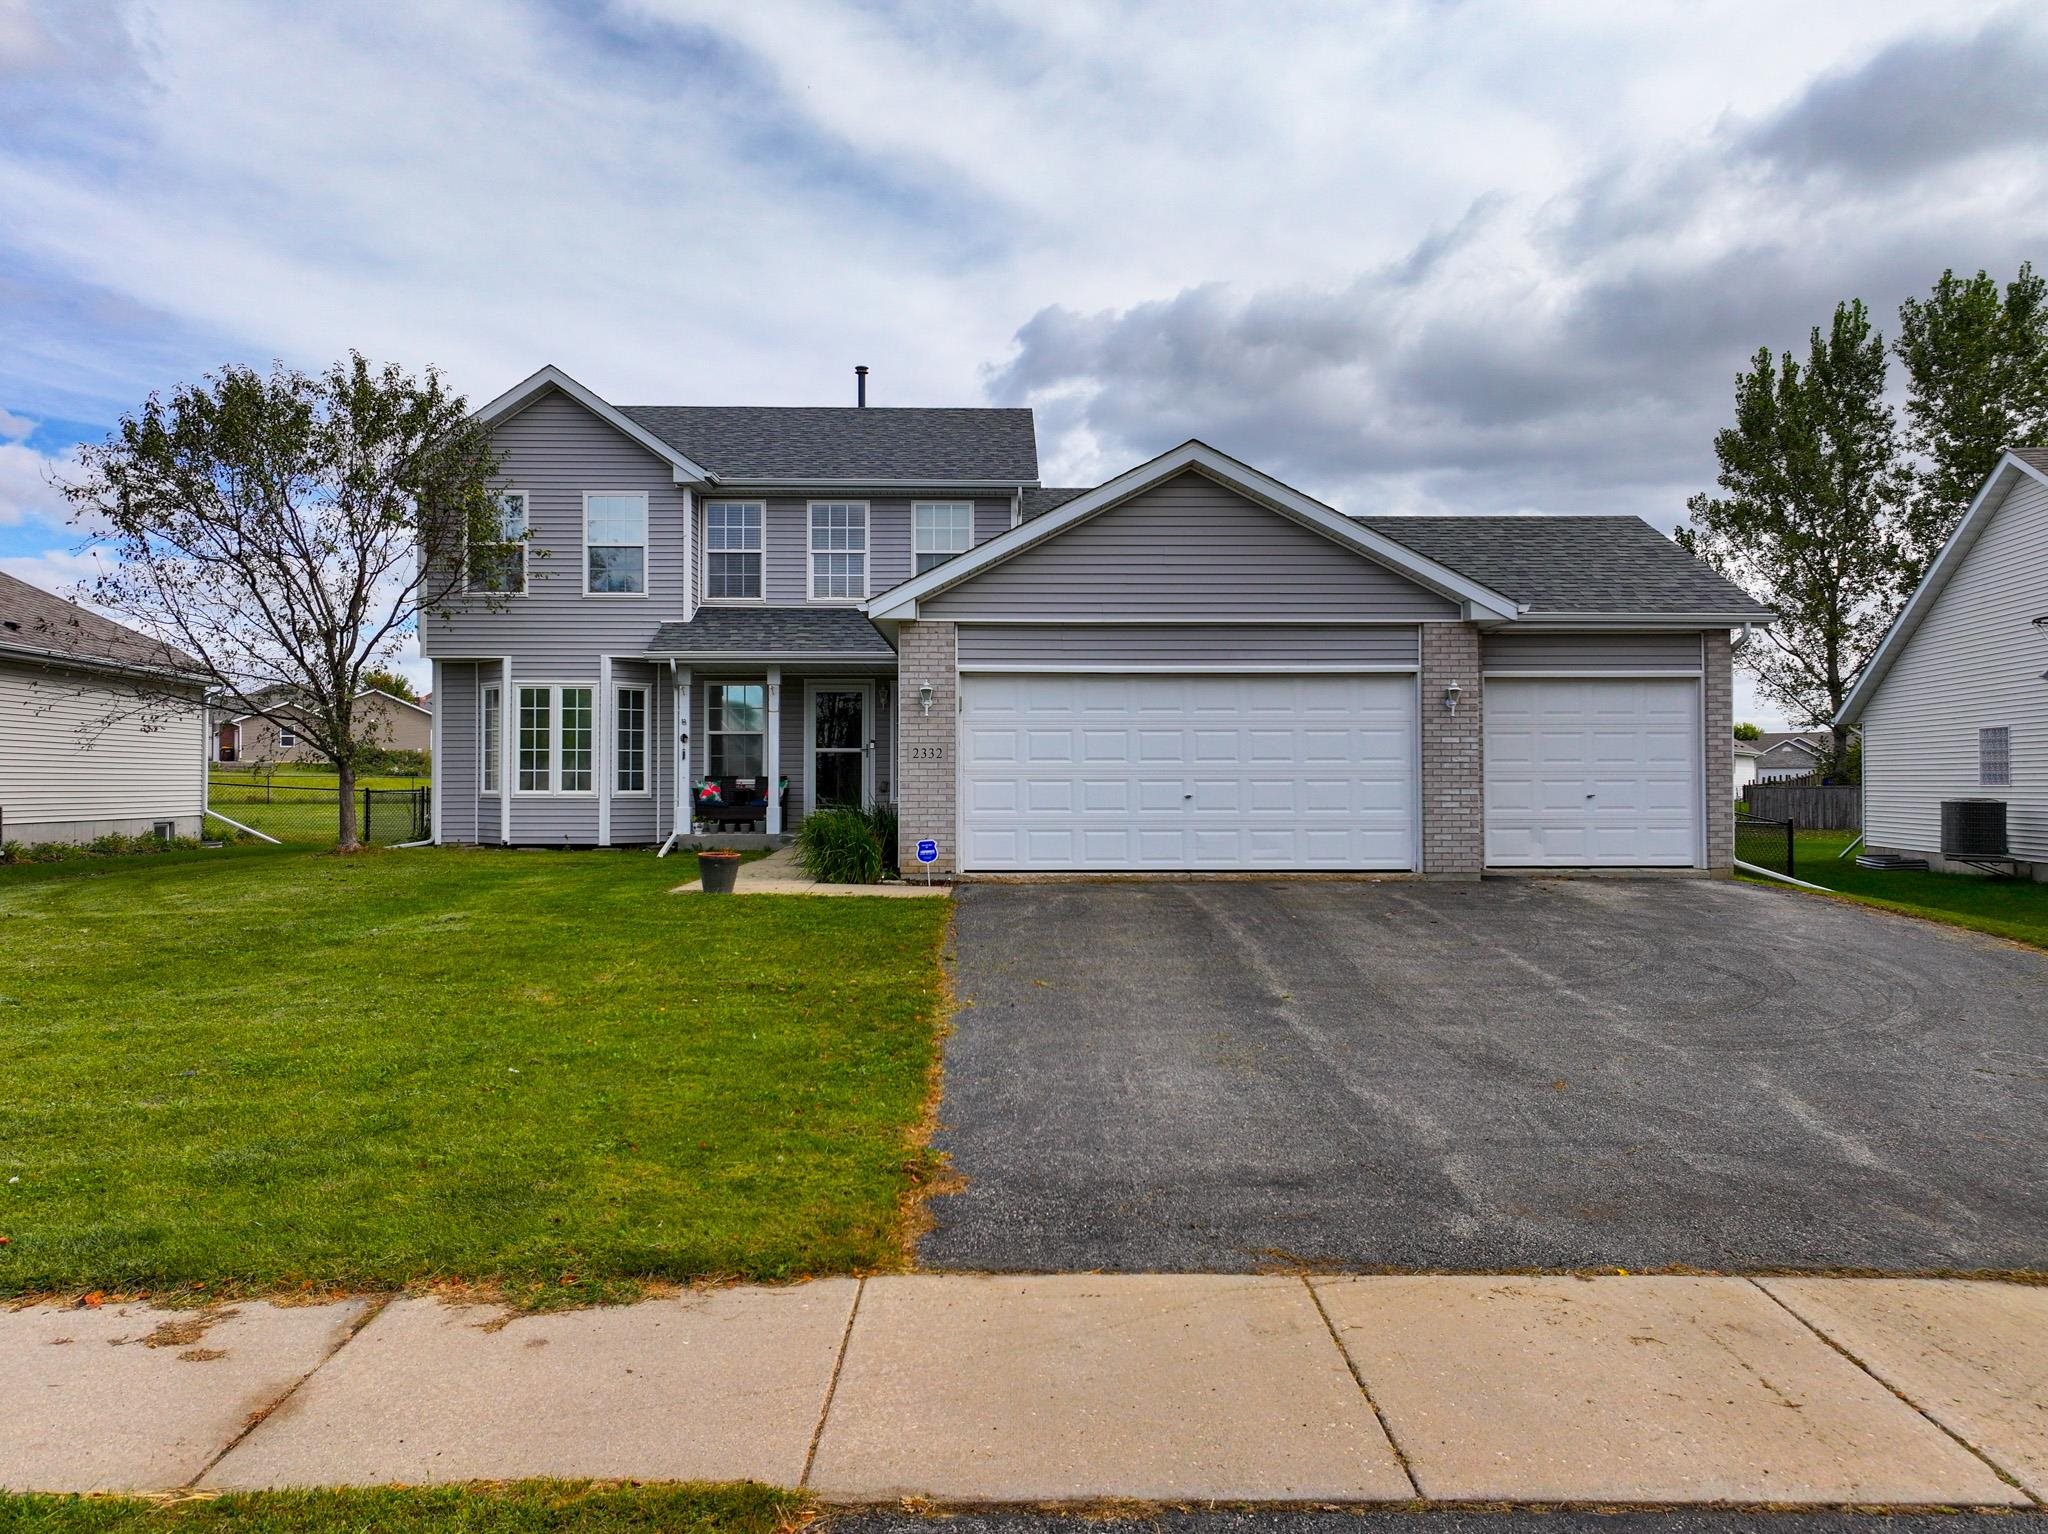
{"type": "Point", "coordinates": [927, 753]}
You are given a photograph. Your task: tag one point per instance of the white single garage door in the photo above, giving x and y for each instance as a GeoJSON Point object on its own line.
{"type": "Point", "coordinates": [1584, 773]}
{"type": "Point", "coordinates": [1106, 772]}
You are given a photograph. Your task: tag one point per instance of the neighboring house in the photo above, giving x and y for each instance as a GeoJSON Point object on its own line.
{"type": "Point", "coordinates": [384, 719]}
{"type": "Point", "coordinates": [1790, 754]}
{"type": "Point", "coordinates": [1192, 666]}
{"type": "Point", "coordinates": [93, 737]}
{"type": "Point", "coordinates": [1746, 756]}
{"type": "Point", "coordinates": [1954, 704]}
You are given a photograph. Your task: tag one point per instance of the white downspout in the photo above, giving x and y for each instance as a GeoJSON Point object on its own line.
{"type": "Point", "coordinates": [601, 749]}
{"type": "Point", "coordinates": [508, 748]}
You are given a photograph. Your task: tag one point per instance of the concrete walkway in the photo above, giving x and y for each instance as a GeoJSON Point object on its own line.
{"type": "Point", "coordinates": [1076, 1388]}
{"type": "Point", "coordinates": [780, 873]}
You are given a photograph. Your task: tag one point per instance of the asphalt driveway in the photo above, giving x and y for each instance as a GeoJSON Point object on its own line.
{"type": "Point", "coordinates": [1549, 1074]}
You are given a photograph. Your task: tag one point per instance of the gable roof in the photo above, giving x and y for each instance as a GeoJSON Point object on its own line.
{"type": "Point", "coordinates": [1578, 566]}
{"type": "Point", "coordinates": [901, 601]}
{"type": "Point", "coordinates": [281, 694]}
{"type": "Point", "coordinates": [2015, 465]}
{"type": "Point", "coordinates": [34, 622]}
{"type": "Point", "coordinates": [1809, 741]}
{"type": "Point", "coordinates": [849, 444]}
{"type": "Point", "coordinates": [552, 379]}
{"type": "Point", "coordinates": [839, 632]}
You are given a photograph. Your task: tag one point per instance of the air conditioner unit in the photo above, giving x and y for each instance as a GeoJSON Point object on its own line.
{"type": "Point", "coordinates": [1973, 828]}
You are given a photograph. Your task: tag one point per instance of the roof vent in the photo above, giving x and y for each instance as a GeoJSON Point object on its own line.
{"type": "Point", "coordinates": [860, 386]}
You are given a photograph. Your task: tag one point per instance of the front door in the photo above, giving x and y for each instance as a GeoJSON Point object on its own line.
{"type": "Point", "coordinates": [839, 713]}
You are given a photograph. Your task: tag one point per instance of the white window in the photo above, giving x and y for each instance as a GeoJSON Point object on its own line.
{"type": "Point", "coordinates": [631, 718]}
{"type": "Point", "coordinates": [556, 734]}
{"type": "Point", "coordinates": [939, 530]}
{"type": "Point", "coordinates": [615, 543]}
{"type": "Point", "coordinates": [501, 566]}
{"type": "Point", "coordinates": [839, 549]}
{"type": "Point", "coordinates": [732, 551]}
{"type": "Point", "coordinates": [1994, 757]}
{"type": "Point", "coordinates": [736, 719]}
{"type": "Point", "coordinates": [491, 726]}
{"type": "Point", "coordinates": [286, 737]}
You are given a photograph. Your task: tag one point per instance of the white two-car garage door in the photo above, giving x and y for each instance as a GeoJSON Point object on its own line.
{"type": "Point", "coordinates": [1101, 772]}
{"type": "Point", "coordinates": [1590, 773]}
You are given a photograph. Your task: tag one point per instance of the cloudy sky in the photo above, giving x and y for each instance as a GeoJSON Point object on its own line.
{"type": "Point", "coordinates": [1424, 256]}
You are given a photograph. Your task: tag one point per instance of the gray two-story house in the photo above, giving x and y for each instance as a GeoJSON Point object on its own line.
{"type": "Point", "coordinates": [1191, 667]}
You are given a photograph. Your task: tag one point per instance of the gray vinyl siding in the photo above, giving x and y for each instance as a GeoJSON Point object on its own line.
{"type": "Point", "coordinates": [786, 537]}
{"type": "Point", "coordinates": [78, 750]}
{"type": "Point", "coordinates": [458, 768]}
{"type": "Point", "coordinates": [1593, 653]}
{"type": "Point", "coordinates": [1192, 646]}
{"type": "Point", "coordinates": [1975, 661]}
{"type": "Point", "coordinates": [555, 450]}
{"type": "Point", "coordinates": [1189, 550]}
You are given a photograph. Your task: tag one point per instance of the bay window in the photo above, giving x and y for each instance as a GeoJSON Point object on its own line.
{"type": "Point", "coordinates": [839, 550]}
{"type": "Point", "coordinates": [615, 543]}
{"type": "Point", "coordinates": [939, 530]}
{"type": "Point", "coordinates": [732, 551]}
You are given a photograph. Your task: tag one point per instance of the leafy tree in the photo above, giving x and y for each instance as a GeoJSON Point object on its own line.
{"type": "Point", "coordinates": [1810, 519]}
{"type": "Point", "coordinates": [1748, 731]}
{"type": "Point", "coordinates": [288, 530]}
{"type": "Point", "coordinates": [1976, 365]}
{"type": "Point", "coordinates": [391, 682]}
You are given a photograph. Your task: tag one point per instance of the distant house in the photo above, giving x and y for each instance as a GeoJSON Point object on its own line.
{"type": "Point", "coordinates": [94, 739]}
{"type": "Point", "coordinates": [1746, 756]}
{"type": "Point", "coordinates": [1790, 754]}
{"type": "Point", "coordinates": [387, 721]}
{"type": "Point", "coordinates": [1954, 704]}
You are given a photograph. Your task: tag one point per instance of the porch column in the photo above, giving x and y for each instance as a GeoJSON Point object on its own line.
{"type": "Point", "coordinates": [772, 754]}
{"type": "Point", "coordinates": [508, 747]}
{"type": "Point", "coordinates": [604, 727]}
{"type": "Point", "coordinates": [682, 813]}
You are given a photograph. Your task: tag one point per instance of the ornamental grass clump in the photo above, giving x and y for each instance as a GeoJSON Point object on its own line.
{"type": "Point", "coordinates": [838, 846]}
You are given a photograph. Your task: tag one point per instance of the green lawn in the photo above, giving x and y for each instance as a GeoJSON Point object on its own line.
{"type": "Point", "coordinates": [524, 1507]}
{"type": "Point", "coordinates": [534, 1069]}
{"type": "Point", "coordinates": [2013, 908]}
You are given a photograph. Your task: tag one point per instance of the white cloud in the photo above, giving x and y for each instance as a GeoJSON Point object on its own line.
{"type": "Point", "coordinates": [57, 571]}
{"type": "Point", "coordinates": [26, 491]}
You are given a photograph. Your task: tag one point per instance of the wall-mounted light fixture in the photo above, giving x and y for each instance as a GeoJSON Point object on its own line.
{"type": "Point", "coordinates": [1451, 698]}
{"type": "Point", "coordinates": [924, 699]}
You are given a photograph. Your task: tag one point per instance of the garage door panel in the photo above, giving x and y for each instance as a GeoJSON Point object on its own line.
{"type": "Point", "coordinates": [1197, 772]}
{"type": "Point", "coordinates": [1592, 772]}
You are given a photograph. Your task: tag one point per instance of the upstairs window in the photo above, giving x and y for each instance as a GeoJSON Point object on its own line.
{"type": "Point", "coordinates": [615, 544]}
{"type": "Point", "coordinates": [939, 530]}
{"type": "Point", "coordinates": [1994, 757]}
{"type": "Point", "coordinates": [839, 550]}
{"type": "Point", "coordinates": [501, 566]}
{"type": "Point", "coordinates": [732, 551]}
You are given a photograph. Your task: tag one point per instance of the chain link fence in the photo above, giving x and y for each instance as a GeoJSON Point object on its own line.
{"type": "Point", "coordinates": [1765, 843]}
{"type": "Point", "coordinates": [311, 813]}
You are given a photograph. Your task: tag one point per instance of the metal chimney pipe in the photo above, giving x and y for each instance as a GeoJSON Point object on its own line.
{"type": "Point", "coordinates": [860, 386]}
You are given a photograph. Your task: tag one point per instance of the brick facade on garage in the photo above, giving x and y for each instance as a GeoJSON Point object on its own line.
{"type": "Point", "coordinates": [1720, 769]}
{"type": "Point", "coordinates": [928, 754]}
{"type": "Point", "coordinates": [1453, 756]}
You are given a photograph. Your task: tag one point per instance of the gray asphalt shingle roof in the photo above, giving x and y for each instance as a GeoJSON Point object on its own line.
{"type": "Point", "coordinates": [2033, 457]}
{"type": "Point", "coordinates": [839, 442]}
{"type": "Point", "coordinates": [1573, 564]}
{"type": "Point", "coordinates": [32, 619]}
{"type": "Point", "coordinates": [1044, 498]}
{"type": "Point", "coordinates": [771, 631]}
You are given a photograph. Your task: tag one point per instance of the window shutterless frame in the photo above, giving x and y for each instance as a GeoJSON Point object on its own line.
{"type": "Point", "coordinates": [614, 530]}
{"type": "Point", "coordinates": [1994, 757]}
{"type": "Point", "coordinates": [556, 738]}
{"type": "Point", "coordinates": [938, 531]}
{"type": "Point", "coordinates": [836, 551]}
{"type": "Point", "coordinates": [632, 714]}
{"type": "Point", "coordinates": [735, 549]}
{"type": "Point", "coordinates": [735, 712]}
{"type": "Point", "coordinates": [287, 738]}
{"type": "Point", "coordinates": [514, 508]}
{"type": "Point", "coordinates": [491, 747]}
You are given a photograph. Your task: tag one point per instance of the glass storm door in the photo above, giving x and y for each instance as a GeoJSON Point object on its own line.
{"type": "Point", "coordinates": [839, 745]}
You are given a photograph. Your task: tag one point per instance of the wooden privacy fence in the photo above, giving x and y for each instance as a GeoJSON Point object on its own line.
{"type": "Point", "coordinates": [1811, 807]}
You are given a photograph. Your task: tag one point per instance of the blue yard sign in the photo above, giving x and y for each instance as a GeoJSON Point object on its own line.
{"type": "Point", "coordinates": [927, 852]}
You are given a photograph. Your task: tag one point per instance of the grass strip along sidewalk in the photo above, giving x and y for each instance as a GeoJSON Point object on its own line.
{"type": "Point", "coordinates": [2008, 908]}
{"type": "Point", "coordinates": [535, 1070]}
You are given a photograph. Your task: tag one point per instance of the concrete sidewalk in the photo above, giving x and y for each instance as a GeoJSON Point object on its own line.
{"type": "Point", "coordinates": [780, 873]}
{"type": "Point", "coordinates": [1075, 1388]}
